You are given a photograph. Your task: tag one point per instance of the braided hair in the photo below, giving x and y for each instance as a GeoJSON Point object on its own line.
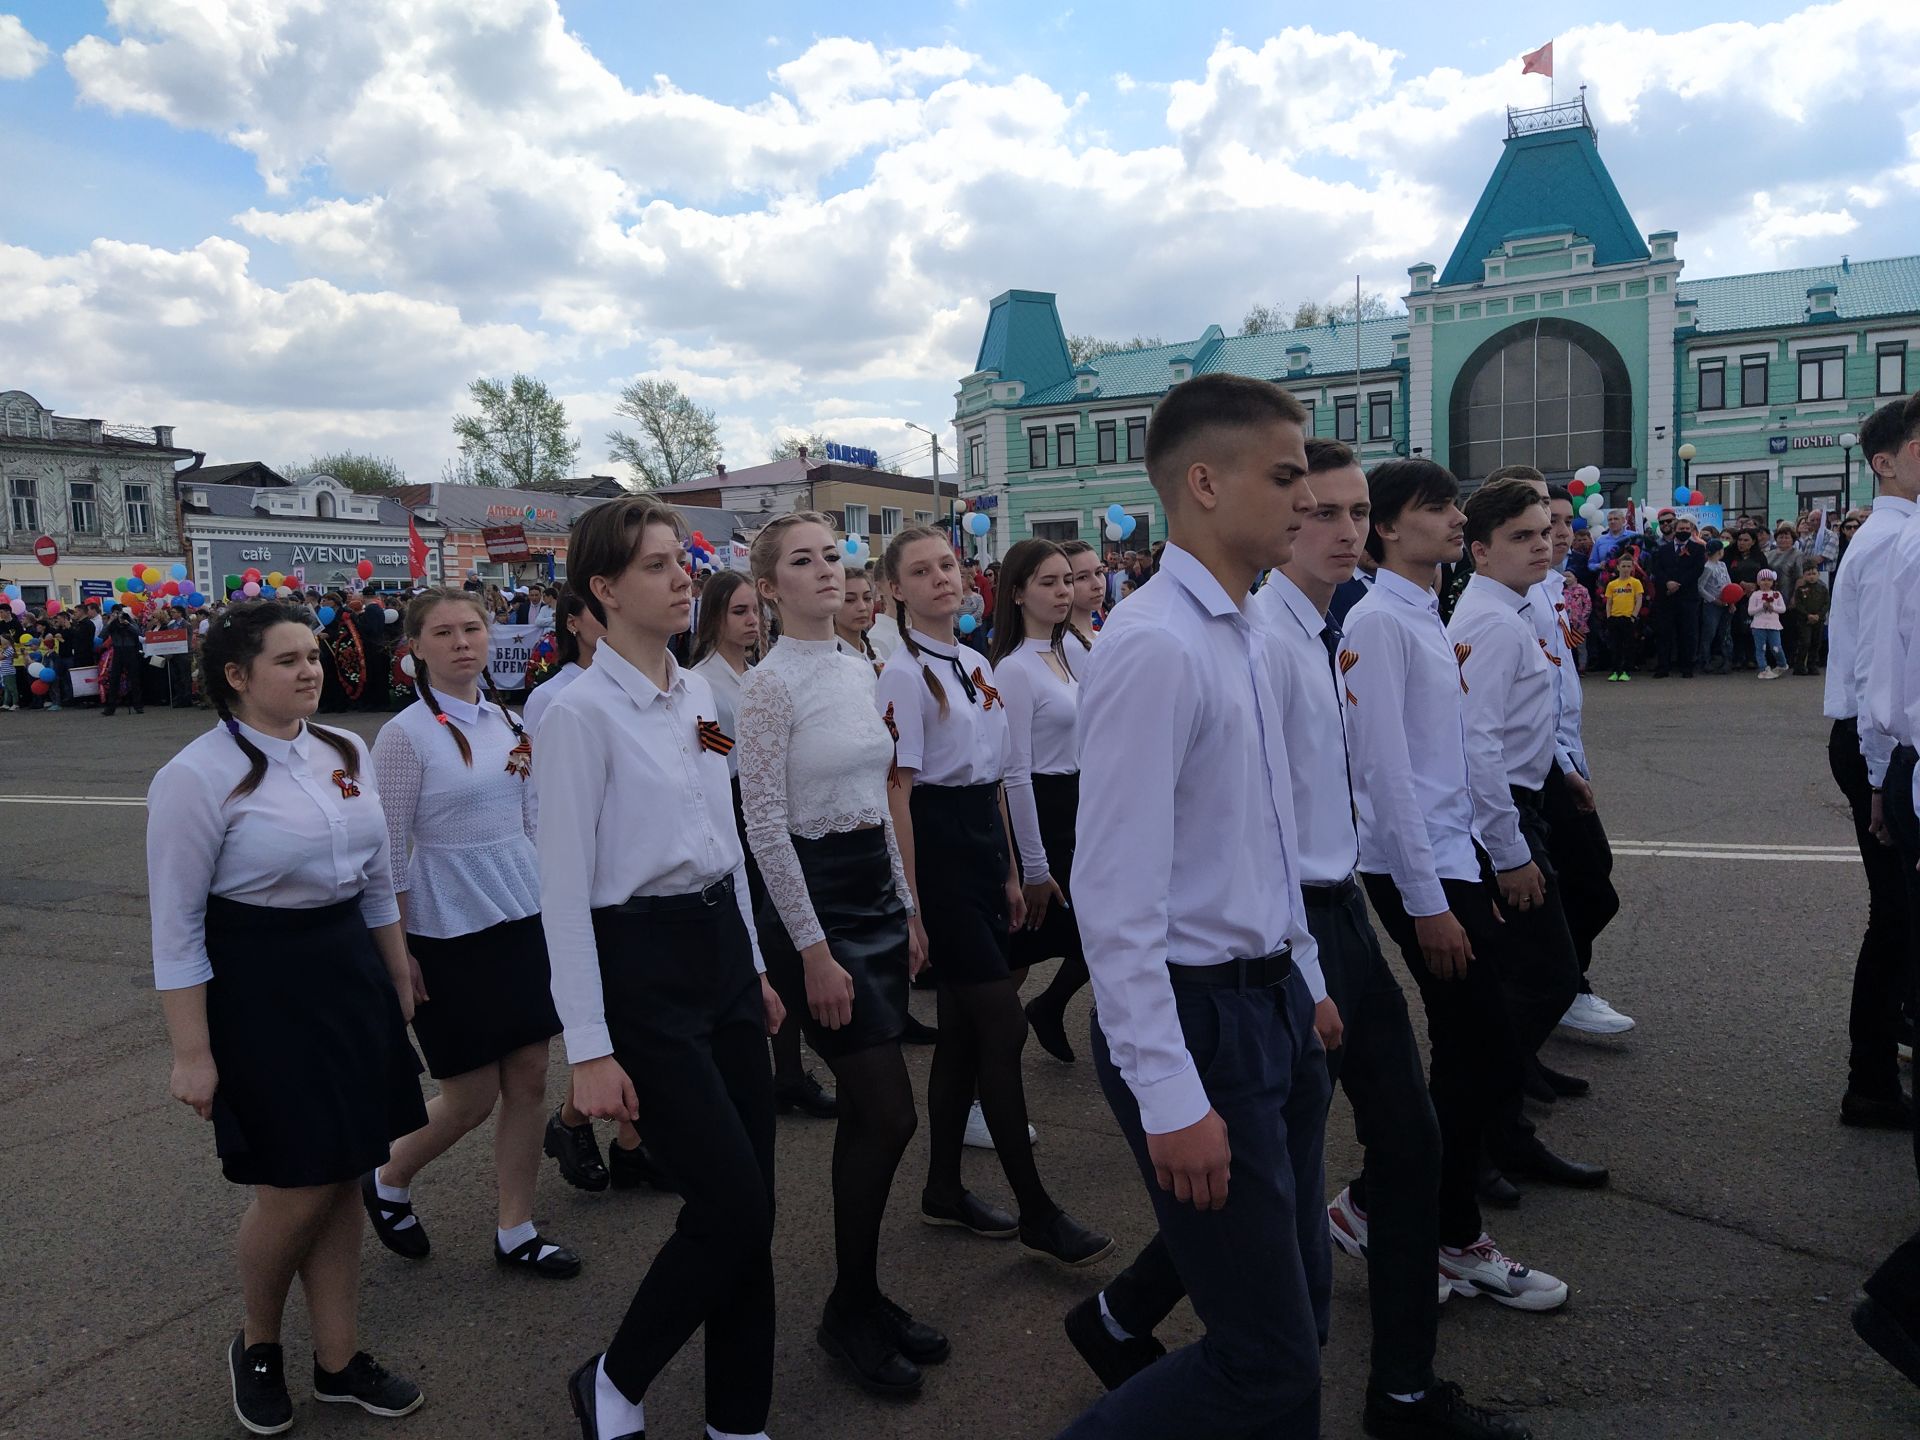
{"type": "Point", "coordinates": [890, 567]}
{"type": "Point", "coordinates": [423, 604]}
{"type": "Point", "coordinates": [236, 639]}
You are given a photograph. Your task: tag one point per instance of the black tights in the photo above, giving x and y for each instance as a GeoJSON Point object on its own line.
{"type": "Point", "coordinates": [982, 1031]}
{"type": "Point", "coordinates": [876, 1121]}
{"type": "Point", "coordinates": [1065, 984]}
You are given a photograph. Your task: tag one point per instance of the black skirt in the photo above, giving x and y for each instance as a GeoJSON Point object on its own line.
{"type": "Point", "coordinates": [850, 881]}
{"type": "Point", "coordinates": [960, 859]}
{"type": "Point", "coordinates": [316, 1075]}
{"type": "Point", "coordinates": [488, 995]}
{"type": "Point", "coordinates": [1056, 798]}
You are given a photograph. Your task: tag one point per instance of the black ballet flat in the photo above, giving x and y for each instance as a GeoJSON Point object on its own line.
{"type": "Point", "coordinates": [586, 1404]}
{"type": "Point", "coordinates": [1062, 1240]}
{"type": "Point", "coordinates": [387, 1215]}
{"type": "Point", "coordinates": [1050, 1029]}
{"type": "Point", "coordinates": [560, 1264]}
{"type": "Point", "coordinates": [970, 1212]}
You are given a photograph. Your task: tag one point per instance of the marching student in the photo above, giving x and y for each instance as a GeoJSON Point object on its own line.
{"type": "Point", "coordinates": [1032, 611]}
{"type": "Point", "coordinates": [836, 932]}
{"type": "Point", "coordinates": [455, 772]}
{"type": "Point", "coordinates": [282, 971]}
{"type": "Point", "coordinates": [1089, 595]}
{"type": "Point", "coordinates": [949, 817]}
{"type": "Point", "coordinates": [1205, 976]}
{"type": "Point", "coordinates": [726, 641]}
{"type": "Point", "coordinates": [1427, 878]}
{"type": "Point", "coordinates": [656, 973]}
{"type": "Point", "coordinates": [855, 616]}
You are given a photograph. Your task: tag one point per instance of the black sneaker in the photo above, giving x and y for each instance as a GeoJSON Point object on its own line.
{"type": "Point", "coordinates": [369, 1384]}
{"type": "Point", "coordinates": [636, 1167]}
{"type": "Point", "coordinates": [970, 1212]}
{"type": "Point", "coordinates": [258, 1376]}
{"type": "Point", "coordinates": [1114, 1361]}
{"type": "Point", "coordinates": [387, 1217]}
{"type": "Point", "coordinates": [806, 1095]}
{"type": "Point", "coordinates": [1441, 1414]}
{"type": "Point", "coordinates": [578, 1153]}
{"type": "Point", "coordinates": [1064, 1241]}
{"type": "Point", "coordinates": [864, 1345]}
{"type": "Point", "coordinates": [915, 1339]}
{"type": "Point", "coordinates": [539, 1256]}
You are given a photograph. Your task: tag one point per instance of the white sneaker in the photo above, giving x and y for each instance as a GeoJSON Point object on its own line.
{"type": "Point", "coordinates": [1446, 1289]}
{"type": "Point", "coordinates": [1481, 1269]}
{"type": "Point", "coordinates": [1594, 1016]}
{"type": "Point", "coordinates": [1347, 1225]}
{"type": "Point", "coordinates": [978, 1135]}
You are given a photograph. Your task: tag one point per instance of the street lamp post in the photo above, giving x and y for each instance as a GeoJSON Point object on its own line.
{"type": "Point", "coordinates": [1847, 442]}
{"type": "Point", "coordinates": [1686, 453]}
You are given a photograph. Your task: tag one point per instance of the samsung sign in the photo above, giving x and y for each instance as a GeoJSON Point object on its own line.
{"type": "Point", "coordinates": [851, 455]}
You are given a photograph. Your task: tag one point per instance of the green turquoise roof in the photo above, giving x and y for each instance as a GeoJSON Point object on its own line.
{"type": "Point", "coordinates": [1024, 341]}
{"type": "Point", "coordinates": [1862, 289]}
{"type": "Point", "coordinates": [1546, 183]}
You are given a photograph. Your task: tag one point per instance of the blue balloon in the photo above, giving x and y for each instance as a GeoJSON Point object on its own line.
{"type": "Point", "coordinates": [978, 524]}
{"type": "Point", "coordinates": [135, 584]}
{"type": "Point", "coordinates": [107, 602]}
{"type": "Point", "coordinates": [326, 614]}
{"type": "Point", "coordinates": [1115, 513]}
{"type": "Point", "coordinates": [178, 572]}
{"type": "Point", "coordinates": [966, 624]}
{"type": "Point", "coordinates": [1579, 522]}
{"type": "Point", "coordinates": [1128, 524]}
{"type": "Point", "coordinates": [12, 592]}
{"type": "Point", "coordinates": [196, 600]}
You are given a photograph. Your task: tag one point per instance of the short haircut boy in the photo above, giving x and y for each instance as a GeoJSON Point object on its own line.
{"type": "Point", "coordinates": [1397, 485]}
{"type": "Point", "coordinates": [1196, 407]}
{"type": "Point", "coordinates": [1496, 503]}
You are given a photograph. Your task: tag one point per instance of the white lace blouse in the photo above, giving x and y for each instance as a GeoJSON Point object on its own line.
{"type": "Point", "coordinates": [462, 837]}
{"type": "Point", "coordinates": [814, 756]}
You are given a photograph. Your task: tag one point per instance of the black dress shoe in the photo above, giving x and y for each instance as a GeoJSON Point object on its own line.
{"type": "Point", "coordinates": [1878, 1112]}
{"type": "Point", "coordinates": [1534, 1161]}
{"type": "Point", "coordinates": [1895, 1342]}
{"type": "Point", "coordinates": [806, 1095]}
{"type": "Point", "coordinates": [630, 1169]}
{"type": "Point", "coordinates": [1498, 1191]}
{"type": "Point", "coordinates": [578, 1152]}
{"type": "Point", "coordinates": [1441, 1414]}
{"type": "Point", "coordinates": [864, 1344]}
{"type": "Point", "coordinates": [915, 1339]}
{"type": "Point", "coordinates": [918, 1032]}
{"type": "Point", "coordinates": [970, 1212]}
{"type": "Point", "coordinates": [1064, 1241]}
{"type": "Point", "coordinates": [1566, 1087]}
{"type": "Point", "coordinates": [1114, 1361]}
{"type": "Point", "coordinates": [581, 1387]}
{"type": "Point", "coordinates": [1535, 1085]}
{"type": "Point", "coordinates": [1050, 1029]}
{"type": "Point", "coordinates": [388, 1216]}
{"type": "Point", "coordinates": [539, 1256]}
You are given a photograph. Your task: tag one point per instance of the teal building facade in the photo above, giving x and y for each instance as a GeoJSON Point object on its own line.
{"type": "Point", "coordinates": [1558, 334]}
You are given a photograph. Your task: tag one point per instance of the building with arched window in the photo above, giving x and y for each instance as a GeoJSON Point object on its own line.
{"type": "Point", "coordinates": [1558, 334]}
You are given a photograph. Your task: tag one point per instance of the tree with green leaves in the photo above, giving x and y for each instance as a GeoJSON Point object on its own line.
{"type": "Point", "coordinates": [367, 474]}
{"type": "Point", "coordinates": [1271, 319]}
{"type": "Point", "coordinates": [678, 440]}
{"type": "Point", "coordinates": [518, 437]}
{"type": "Point", "coordinates": [1085, 349]}
{"type": "Point", "coordinates": [789, 446]}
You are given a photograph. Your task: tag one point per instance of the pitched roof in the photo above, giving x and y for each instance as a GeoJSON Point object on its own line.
{"type": "Point", "coordinates": [1546, 182]}
{"type": "Point", "coordinates": [1863, 289]}
{"type": "Point", "coordinates": [244, 472]}
{"type": "Point", "coordinates": [774, 472]}
{"type": "Point", "coordinates": [601, 487]}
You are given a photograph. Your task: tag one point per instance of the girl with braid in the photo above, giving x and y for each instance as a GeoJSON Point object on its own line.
{"type": "Point", "coordinates": [950, 817]}
{"type": "Point", "coordinates": [282, 971]}
{"type": "Point", "coordinates": [457, 769]}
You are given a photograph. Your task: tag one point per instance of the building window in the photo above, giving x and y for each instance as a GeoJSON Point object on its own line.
{"type": "Point", "coordinates": [1890, 373]}
{"type": "Point", "coordinates": [1548, 393]}
{"type": "Point", "coordinates": [139, 512]}
{"type": "Point", "coordinates": [1379, 417]}
{"type": "Point", "coordinates": [1713, 385]}
{"type": "Point", "coordinates": [856, 520]}
{"type": "Point", "coordinates": [84, 515]}
{"type": "Point", "coordinates": [1142, 537]}
{"type": "Point", "coordinates": [1307, 424]}
{"type": "Point", "coordinates": [1823, 375]}
{"type": "Point", "coordinates": [1036, 449]}
{"type": "Point", "coordinates": [23, 495]}
{"type": "Point", "coordinates": [1753, 380]}
{"type": "Point", "coordinates": [1137, 439]}
{"type": "Point", "coordinates": [1057, 531]}
{"type": "Point", "coordinates": [1067, 454]}
{"type": "Point", "coordinates": [1818, 492]}
{"type": "Point", "coordinates": [923, 517]}
{"type": "Point", "coordinates": [1739, 495]}
{"type": "Point", "coordinates": [1346, 420]}
{"type": "Point", "coordinates": [976, 459]}
{"type": "Point", "coordinates": [889, 522]}
{"type": "Point", "coordinates": [1107, 434]}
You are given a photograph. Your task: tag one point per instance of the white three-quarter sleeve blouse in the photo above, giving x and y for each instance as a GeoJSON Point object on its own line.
{"type": "Point", "coordinates": [814, 756]}
{"type": "Point", "coordinates": [307, 836]}
{"type": "Point", "coordinates": [462, 834]}
{"type": "Point", "coordinates": [1043, 738]}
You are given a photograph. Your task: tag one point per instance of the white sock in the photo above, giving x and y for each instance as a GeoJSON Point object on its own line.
{"type": "Point", "coordinates": [1114, 1327]}
{"type": "Point", "coordinates": [1409, 1399]}
{"type": "Point", "coordinates": [617, 1415]}
{"type": "Point", "coordinates": [713, 1434]}
{"type": "Point", "coordinates": [399, 1195]}
{"type": "Point", "coordinates": [510, 1240]}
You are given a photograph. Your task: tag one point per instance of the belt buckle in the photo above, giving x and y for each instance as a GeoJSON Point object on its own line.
{"type": "Point", "coordinates": [714, 893]}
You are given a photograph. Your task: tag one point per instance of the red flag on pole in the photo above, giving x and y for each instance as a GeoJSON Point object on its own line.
{"type": "Point", "coordinates": [416, 552]}
{"type": "Point", "coordinates": [1538, 62]}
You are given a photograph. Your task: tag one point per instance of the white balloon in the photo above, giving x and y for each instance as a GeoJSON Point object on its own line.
{"type": "Point", "coordinates": [406, 666]}
{"type": "Point", "coordinates": [1113, 531]}
{"type": "Point", "coordinates": [1588, 474]}
{"type": "Point", "coordinates": [392, 616]}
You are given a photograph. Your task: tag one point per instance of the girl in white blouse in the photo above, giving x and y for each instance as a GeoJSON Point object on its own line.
{"type": "Point", "coordinates": [943, 704]}
{"type": "Point", "coordinates": [1089, 588]}
{"type": "Point", "coordinates": [855, 616]}
{"type": "Point", "coordinates": [836, 932]}
{"type": "Point", "coordinates": [655, 972]}
{"type": "Point", "coordinates": [456, 769]}
{"type": "Point", "coordinates": [278, 954]}
{"type": "Point", "coordinates": [1029, 654]}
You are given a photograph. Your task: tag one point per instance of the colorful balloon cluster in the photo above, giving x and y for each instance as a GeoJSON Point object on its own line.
{"type": "Point", "coordinates": [856, 549]}
{"type": "Point", "coordinates": [699, 553]}
{"type": "Point", "coordinates": [1120, 525]}
{"type": "Point", "coordinates": [1684, 496]}
{"type": "Point", "coordinates": [41, 675]}
{"type": "Point", "coordinates": [149, 585]}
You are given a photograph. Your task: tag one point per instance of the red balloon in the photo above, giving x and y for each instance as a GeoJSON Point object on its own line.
{"type": "Point", "coordinates": [1576, 488]}
{"type": "Point", "coordinates": [250, 574]}
{"type": "Point", "coordinates": [698, 538]}
{"type": "Point", "coordinates": [40, 687]}
{"type": "Point", "coordinates": [1731, 594]}
{"type": "Point", "coordinates": [365, 569]}
{"type": "Point", "coordinates": [172, 587]}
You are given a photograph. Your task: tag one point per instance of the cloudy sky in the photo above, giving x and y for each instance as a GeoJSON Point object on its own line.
{"type": "Point", "coordinates": [292, 225]}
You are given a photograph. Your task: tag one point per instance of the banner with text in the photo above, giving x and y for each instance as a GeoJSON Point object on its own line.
{"type": "Point", "coordinates": [511, 652]}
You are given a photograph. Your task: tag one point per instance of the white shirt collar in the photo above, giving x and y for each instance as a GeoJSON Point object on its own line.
{"type": "Point", "coordinates": [639, 688]}
{"type": "Point", "coordinates": [274, 748]}
{"type": "Point", "coordinates": [940, 649]}
{"type": "Point", "coordinates": [461, 710]}
{"type": "Point", "coordinates": [1198, 581]}
{"type": "Point", "coordinates": [1893, 503]}
{"type": "Point", "coordinates": [1391, 582]}
{"type": "Point", "coordinates": [1493, 590]}
{"type": "Point", "coordinates": [1297, 603]}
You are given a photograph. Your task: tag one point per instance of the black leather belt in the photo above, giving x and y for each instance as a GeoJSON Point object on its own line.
{"type": "Point", "coordinates": [1262, 972]}
{"type": "Point", "coordinates": [1329, 897]}
{"type": "Point", "coordinates": [718, 893]}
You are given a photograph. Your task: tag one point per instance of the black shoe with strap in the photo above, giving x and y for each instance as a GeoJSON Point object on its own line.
{"type": "Point", "coordinates": [636, 1167]}
{"type": "Point", "coordinates": [807, 1095]}
{"type": "Point", "coordinates": [1114, 1361]}
{"type": "Point", "coordinates": [862, 1342]}
{"type": "Point", "coordinates": [389, 1217]}
{"type": "Point", "coordinates": [1442, 1413]}
{"type": "Point", "coordinates": [369, 1384]}
{"type": "Point", "coordinates": [539, 1256]}
{"type": "Point", "coordinates": [577, 1152]}
{"type": "Point", "coordinates": [258, 1375]}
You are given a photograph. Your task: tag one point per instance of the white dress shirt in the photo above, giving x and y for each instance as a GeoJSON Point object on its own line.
{"type": "Point", "coordinates": [725, 682]}
{"type": "Point", "coordinates": [299, 841]}
{"type": "Point", "coordinates": [967, 745]}
{"type": "Point", "coordinates": [1313, 702]}
{"type": "Point", "coordinates": [546, 692]}
{"type": "Point", "coordinates": [871, 661]}
{"type": "Point", "coordinates": [1043, 738]}
{"type": "Point", "coordinates": [462, 834]}
{"type": "Point", "coordinates": [632, 805]}
{"type": "Point", "coordinates": [1555, 630]}
{"type": "Point", "coordinates": [1409, 744]}
{"type": "Point", "coordinates": [1508, 707]}
{"type": "Point", "coordinates": [1861, 610]}
{"type": "Point", "coordinates": [1189, 762]}
{"type": "Point", "coordinates": [1887, 687]}
{"type": "Point", "coordinates": [884, 635]}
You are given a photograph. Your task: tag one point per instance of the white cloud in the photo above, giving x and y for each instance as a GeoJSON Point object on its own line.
{"type": "Point", "coordinates": [20, 52]}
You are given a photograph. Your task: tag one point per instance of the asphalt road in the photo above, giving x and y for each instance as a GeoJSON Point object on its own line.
{"type": "Point", "coordinates": [1711, 1282]}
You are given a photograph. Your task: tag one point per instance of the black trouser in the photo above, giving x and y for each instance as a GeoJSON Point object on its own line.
{"type": "Point", "coordinates": [1676, 630]}
{"type": "Point", "coordinates": [1584, 862]}
{"type": "Point", "coordinates": [1883, 975]}
{"type": "Point", "coordinates": [688, 1025]}
{"type": "Point", "coordinates": [1896, 1284]}
{"type": "Point", "coordinates": [1379, 1064]}
{"type": "Point", "coordinates": [1620, 643]}
{"type": "Point", "coordinates": [1258, 1269]}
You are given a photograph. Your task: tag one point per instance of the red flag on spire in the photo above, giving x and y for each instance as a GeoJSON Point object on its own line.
{"type": "Point", "coordinates": [416, 552]}
{"type": "Point", "coordinates": [1538, 62]}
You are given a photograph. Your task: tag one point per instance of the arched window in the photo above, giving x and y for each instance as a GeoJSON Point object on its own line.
{"type": "Point", "coordinates": [1546, 393]}
{"type": "Point", "coordinates": [323, 505]}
